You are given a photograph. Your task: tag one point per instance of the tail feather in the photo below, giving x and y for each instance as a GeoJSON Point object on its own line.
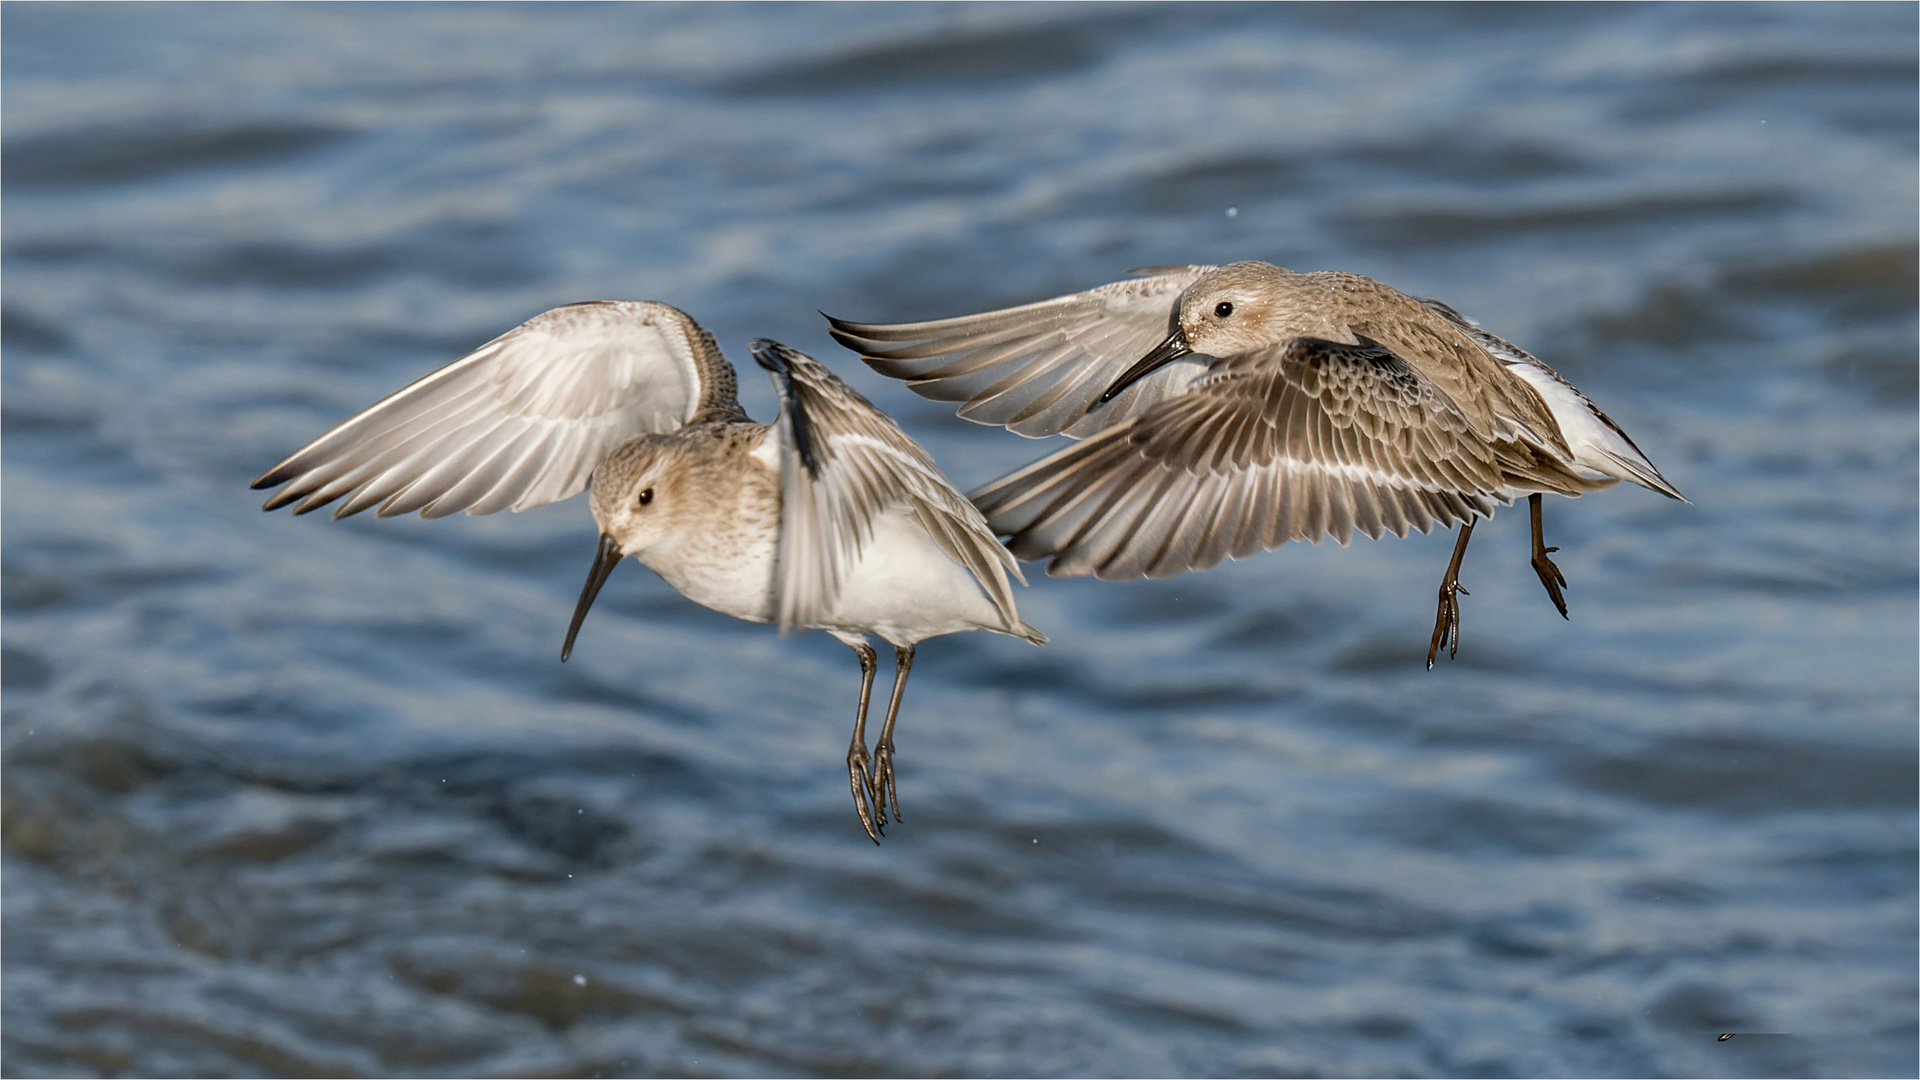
{"type": "Point", "coordinates": [1643, 473]}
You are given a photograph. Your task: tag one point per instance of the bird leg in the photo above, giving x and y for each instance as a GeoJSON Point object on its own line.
{"type": "Point", "coordinates": [885, 793]}
{"type": "Point", "coordinates": [1550, 575]}
{"type": "Point", "coordinates": [1446, 624]}
{"type": "Point", "coordinates": [859, 775]}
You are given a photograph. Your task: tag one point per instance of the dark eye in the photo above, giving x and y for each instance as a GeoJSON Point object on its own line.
{"type": "Point", "coordinates": [646, 496]}
{"type": "Point", "coordinates": [1223, 309]}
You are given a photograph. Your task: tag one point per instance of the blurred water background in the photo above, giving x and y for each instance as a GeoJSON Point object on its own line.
{"type": "Point", "coordinates": [296, 797]}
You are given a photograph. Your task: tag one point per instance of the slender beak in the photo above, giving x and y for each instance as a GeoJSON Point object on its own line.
{"type": "Point", "coordinates": [1164, 353]}
{"type": "Point", "coordinates": [604, 561]}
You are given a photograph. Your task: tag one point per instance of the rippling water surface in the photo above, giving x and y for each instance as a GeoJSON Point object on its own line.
{"type": "Point", "coordinates": [297, 797]}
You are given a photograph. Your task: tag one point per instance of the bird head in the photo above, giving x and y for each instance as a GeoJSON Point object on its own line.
{"type": "Point", "coordinates": [1232, 310]}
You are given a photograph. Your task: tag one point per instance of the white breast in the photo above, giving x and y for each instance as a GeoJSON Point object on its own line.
{"type": "Point", "coordinates": [732, 577]}
{"type": "Point", "coordinates": [725, 558]}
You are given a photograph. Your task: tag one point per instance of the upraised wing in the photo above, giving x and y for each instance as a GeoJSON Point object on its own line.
{"type": "Point", "coordinates": [1039, 368]}
{"type": "Point", "coordinates": [1304, 439]}
{"type": "Point", "coordinates": [845, 464]}
{"type": "Point", "coordinates": [521, 421]}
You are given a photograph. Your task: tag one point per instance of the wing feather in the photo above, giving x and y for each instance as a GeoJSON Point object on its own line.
{"type": "Point", "coordinates": [1595, 440]}
{"type": "Point", "coordinates": [519, 422]}
{"type": "Point", "coordinates": [1037, 369]}
{"type": "Point", "coordinates": [843, 464]}
{"type": "Point", "coordinates": [1306, 439]}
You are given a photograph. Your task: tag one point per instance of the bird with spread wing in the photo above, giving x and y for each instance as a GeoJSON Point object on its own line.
{"type": "Point", "coordinates": [1228, 410]}
{"type": "Point", "coordinates": [829, 518]}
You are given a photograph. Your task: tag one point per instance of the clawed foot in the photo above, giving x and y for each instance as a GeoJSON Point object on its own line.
{"type": "Point", "coordinates": [866, 800]}
{"type": "Point", "coordinates": [1552, 578]}
{"type": "Point", "coordinates": [871, 778]}
{"type": "Point", "coordinates": [1550, 575]}
{"type": "Point", "coordinates": [886, 796]}
{"type": "Point", "coordinates": [1446, 624]}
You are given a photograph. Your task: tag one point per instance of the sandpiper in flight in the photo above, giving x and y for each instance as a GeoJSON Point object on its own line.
{"type": "Point", "coordinates": [1227, 410]}
{"type": "Point", "coordinates": [831, 518]}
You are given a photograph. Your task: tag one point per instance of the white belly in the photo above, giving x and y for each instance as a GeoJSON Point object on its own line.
{"type": "Point", "coordinates": [905, 589]}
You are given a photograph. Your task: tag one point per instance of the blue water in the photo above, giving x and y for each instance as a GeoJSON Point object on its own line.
{"type": "Point", "coordinates": [298, 797]}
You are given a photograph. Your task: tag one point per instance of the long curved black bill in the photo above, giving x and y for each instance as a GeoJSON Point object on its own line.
{"type": "Point", "coordinates": [1164, 353]}
{"type": "Point", "coordinates": [604, 561]}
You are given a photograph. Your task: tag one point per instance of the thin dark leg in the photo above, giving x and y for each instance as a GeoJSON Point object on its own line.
{"type": "Point", "coordinates": [1446, 624]}
{"type": "Point", "coordinates": [885, 793]}
{"type": "Point", "coordinates": [859, 775]}
{"type": "Point", "coordinates": [1550, 575]}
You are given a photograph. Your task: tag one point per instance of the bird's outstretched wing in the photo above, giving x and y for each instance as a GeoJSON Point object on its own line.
{"type": "Point", "coordinates": [843, 464]}
{"type": "Point", "coordinates": [522, 420]}
{"type": "Point", "coordinates": [1039, 368]}
{"type": "Point", "coordinates": [1303, 439]}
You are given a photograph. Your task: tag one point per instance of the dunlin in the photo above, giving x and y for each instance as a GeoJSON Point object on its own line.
{"type": "Point", "coordinates": [830, 518]}
{"type": "Point", "coordinates": [1227, 410]}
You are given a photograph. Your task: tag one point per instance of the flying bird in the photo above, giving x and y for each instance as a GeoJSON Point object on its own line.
{"type": "Point", "coordinates": [829, 518]}
{"type": "Point", "coordinates": [1227, 410]}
